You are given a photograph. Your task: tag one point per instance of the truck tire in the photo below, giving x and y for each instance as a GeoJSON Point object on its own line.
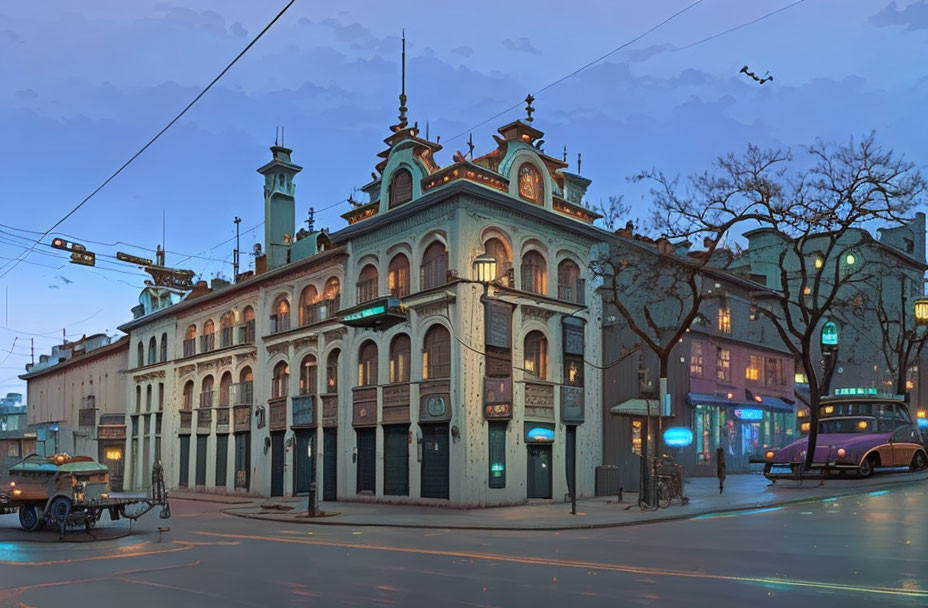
{"type": "Point", "coordinates": [30, 516]}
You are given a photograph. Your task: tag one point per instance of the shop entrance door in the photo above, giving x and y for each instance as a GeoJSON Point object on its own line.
{"type": "Point", "coordinates": [184, 473]}
{"type": "Point", "coordinates": [330, 462]}
{"type": "Point", "coordinates": [435, 461]}
{"type": "Point", "coordinates": [303, 461]}
{"type": "Point", "coordinates": [396, 460]}
{"type": "Point", "coordinates": [222, 459]}
{"type": "Point", "coordinates": [201, 460]}
{"type": "Point", "coordinates": [242, 459]}
{"type": "Point", "coordinates": [367, 460]}
{"type": "Point", "coordinates": [539, 471]}
{"type": "Point", "coordinates": [277, 464]}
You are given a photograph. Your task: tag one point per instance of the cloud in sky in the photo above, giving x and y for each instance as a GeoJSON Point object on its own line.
{"type": "Point", "coordinates": [913, 16]}
{"type": "Point", "coordinates": [208, 20]}
{"type": "Point", "coordinates": [10, 36]}
{"type": "Point", "coordinates": [521, 45]}
{"type": "Point", "coordinates": [463, 51]}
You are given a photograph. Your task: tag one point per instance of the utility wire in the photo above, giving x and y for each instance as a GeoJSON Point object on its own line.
{"type": "Point", "coordinates": [580, 69]}
{"type": "Point", "coordinates": [10, 267]}
{"type": "Point", "coordinates": [738, 27]}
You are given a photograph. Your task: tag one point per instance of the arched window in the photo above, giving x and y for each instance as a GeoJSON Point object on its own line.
{"type": "Point", "coordinates": [246, 332]}
{"type": "Point", "coordinates": [534, 273]}
{"type": "Point", "coordinates": [188, 396]}
{"type": "Point", "coordinates": [436, 353]}
{"type": "Point", "coordinates": [367, 283]}
{"type": "Point", "coordinates": [226, 324]}
{"type": "Point", "coordinates": [495, 247]}
{"type": "Point", "coordinates": [400, 188]}
{"type": "Point", "coordinates": [152, 351]}
{"type": "Point", "coordinates": [138, 397]}
{"type": "Point", "coordinates": [332, 289]}
{"type": "Point", "coordinates": [569, 285]}
{"type": "Point", "coordinates": [140, 355]}
{"type": "Point", "coordinates": [308, 297]}
{"type": "Point", "coordinates": [225, 389]}
{"type": "Point", "coordinates": [308, 376]}
{"type": "Point", "coordinates": [206, 392]}
{"type": "Point", "coordinates": [531, 186]}
{"type": "Point", "coordinates": [367, 364]}
{"type": "Point", "coordinates": [148, 398]}
{"type": "Point", "coordinates": [164, 347]}
{"type": "Point", "coordinates": [281, 381]}
{"type": "Point", "coordinates": [536, 355]}
{"type": "Point", "coordinates": [208, 339]}
{"type": "Point", "coordinates": [398, 276]}
{"type": "Point", "coordinates": [434, 269]}
{"type": "Point", "coordinates": [399, 358]}
{"type": "Point", "coordinates": [280, 317]}
{"type": "Point", "coordinates": [331, 372]}
{"type": "Point", "coordinates": [242, 394]}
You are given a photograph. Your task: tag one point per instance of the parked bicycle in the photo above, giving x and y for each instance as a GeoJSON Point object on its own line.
{"type": "Point", "coordinates": [668, 481]}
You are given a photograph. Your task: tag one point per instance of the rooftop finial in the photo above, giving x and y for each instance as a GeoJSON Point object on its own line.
{"type": "Point", "coordinates": [528, 108]}
{"type": "Point", "coordinates": [403, 122]}
{"type": "Point", "coordinates": [578, 163]}
{"type": "Point", "coordinates": [276, 135]}
{"type": "Point", "coordinates": [470, 146]}
{"type": "Point", "coordinates": [565, 154]}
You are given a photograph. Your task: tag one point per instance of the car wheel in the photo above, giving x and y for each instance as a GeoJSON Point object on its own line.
{"type": "Point", "coordinates": [30, 516]}
{"type": "Point", "coordinates": [866, 467]}
{"type": "Point", "coordinates": [60, 508]}
{"type": "Point", "coordinates": [919, 462]}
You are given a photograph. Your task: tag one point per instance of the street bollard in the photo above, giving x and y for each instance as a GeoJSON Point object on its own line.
{"type": "Point", "coordinates": [311, 507]}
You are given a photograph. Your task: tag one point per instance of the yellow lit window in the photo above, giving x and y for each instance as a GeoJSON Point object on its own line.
{"type": "Point", "coordinates": [725, 319]}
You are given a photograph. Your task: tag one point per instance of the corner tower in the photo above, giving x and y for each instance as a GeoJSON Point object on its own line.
{"type": "Point", "coordinates": [279, 211]}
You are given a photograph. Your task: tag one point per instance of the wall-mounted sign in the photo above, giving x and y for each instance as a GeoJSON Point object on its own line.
{"type": "Point", "coordinates": [678, 437]}
{"type": "Point", "coordinates": [497, 390]}
{"type": "Point", "coordinates": [365, 313]}
{"type": "Point", "coordinates": [498, 324]}
{"type": "Point", "coordinates": [539, 433]}
{"type": "Point", "coordinates": [435, 401]}
{"type": "Point", "coordinates": [573, 336]}
{"type": "Point", "coordinates": [111, 431]}
{"type": "Point", "coordinates": [749, 414]}
{"type": "Point", "coordinates": [856, 391]}
{"type": "Point", "coordinates": [572, 404]}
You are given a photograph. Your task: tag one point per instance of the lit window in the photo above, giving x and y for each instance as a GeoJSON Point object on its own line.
{"type": "Point", "coordinates": [530, 183]}
{"type": "Point", "coordinates": [723, 365]}
{"type": "Point", "coordinates": [725, 319]}
{"type": "Point", "coordinates": [536, 354]}
{"type": "Point", "coordinates": [697, 359]}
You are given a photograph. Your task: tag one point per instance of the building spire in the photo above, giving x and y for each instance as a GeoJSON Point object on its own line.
{"type": "Point", "coordinates": [403, 122]}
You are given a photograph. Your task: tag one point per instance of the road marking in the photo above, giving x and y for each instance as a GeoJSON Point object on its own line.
{"type": "Point", "coordinates": [589, 565]}
{"type": "Point", "coordinates": [182, 546]}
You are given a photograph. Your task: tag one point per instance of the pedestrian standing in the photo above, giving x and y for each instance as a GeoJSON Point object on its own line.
{"type": "Point", "coordinates": [720, 467]}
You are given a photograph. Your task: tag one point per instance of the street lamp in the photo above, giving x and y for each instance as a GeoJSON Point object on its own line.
{"type": "Point", "coordinates": [485, 268]}
{"type": "Point", "coordinates": [921, 311]}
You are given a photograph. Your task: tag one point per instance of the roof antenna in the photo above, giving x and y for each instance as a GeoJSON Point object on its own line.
{"type": "Point", "coordinates": [565, 154]}
{"type": "Point", "coordinates": [470, 145]}
{"type": "Point", "coordinates": [578, 163]}
{"type": "Point", "coordinates": [276, 135]}
{"type": "Point", "coordinates": [528, 108]}
{"type": "Point", "coordinates": [281, 136]}
{"type": "Point", "coordinates": [426, 130]}
{"type": "Point", "coordinates": [403, 108]}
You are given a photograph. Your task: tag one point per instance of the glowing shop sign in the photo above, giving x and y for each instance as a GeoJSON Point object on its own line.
{"type": "Point", "coordinates": [855, 391]}
{"type": "Point", "coordinates": [678, 436]}
{"type": "Point", "coordinates": [830, 334]}
{"type": "Point", "coordinates": [540, 434]}
{"type": "Point", "coordinates": [923, 423]}
{"type": "Point", "coordinates": [749, 414]}
{"type": "Point", "coordinates": [367, 312]}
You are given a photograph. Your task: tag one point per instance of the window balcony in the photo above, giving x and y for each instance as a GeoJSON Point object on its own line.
{"type": "Point", "coordinates": [190, 347]}
{"type": "Point", "coordinates": [222, 420]}
{"type": "Point", "coordinates": [367, 290]}
{"type": "Point", "coordinates": [320, 311]}
{"type": "Point", "coordinates": [207, 343]}
{"type": "Point", "coordinates": [246, 332]}
{"type": "Point", "coordinates": [242, 393]}
{"type": "Point", "coordinates": [575, 292]}
{"type": "Point", "coordinates": [207, 398]}
{"type": "Point", "coordinates": [186, 417]}
{"type": "Point", "coordinates": [277, 419]}
{"type": "Point", "coordinates": [303, 409]}
{"type": "Point", "coordinates": [204, 419]}
{"type": "Point", "coordinates": [534, 279]}
{"type": "Point", "coordinates": [434, 273]}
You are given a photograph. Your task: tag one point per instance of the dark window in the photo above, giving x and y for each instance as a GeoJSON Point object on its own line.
{"type": "Point", "coordinates": [280, 319]}
{"type": "Point", "coordinates": [225, 387]}
{"type": "Point", "coordinates": [570, 286]}
{"type": "Point", "coordinates": [436, 353]}
{"type": "Point", "coordinates": [434, 269]}
{"type": "Point", "coordinates": [399, 358]}
{"type": "Point", "coordinates": [367, 364]}
{"type": "Point", "coordinates": [140, 359]}
{"type": "Point", "coordinates": [307, 298]}
{"type": "Point", "coordinates": [164, 347]}
{"type": "Point", "coordinates": [152, 351]}
{"type": "Point", "coordinates": [206, 394]}
{"type": "Point", "coordinates": [226, 323]}
{"type": "Point", "coordinates": [367, 283]}
{"type": "Point", "coordinates": [400, 188]}
{"type": "Point", "coordinates": [188, 396]}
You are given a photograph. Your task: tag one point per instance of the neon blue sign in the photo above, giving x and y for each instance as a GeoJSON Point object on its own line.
{"type": "Point", "coordinates": [678, 436]}
{"type": "Point", "coordinates": [923, 423]}
{"type": "Point", "coordinates": [367, 312]}
{"type": "Point", "coordinates": [540, 434]}
{"type": "Point", "coordinates": [749, 414]}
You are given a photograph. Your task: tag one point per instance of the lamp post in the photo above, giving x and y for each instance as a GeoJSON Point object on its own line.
{"type": "Point", "coordinates": [921, 311]}
{"type": "Point", "coordinates": [829, 340]}
{"type": "Point", "coordinates": [485, 269]}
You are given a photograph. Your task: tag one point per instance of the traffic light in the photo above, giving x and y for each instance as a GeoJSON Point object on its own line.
{"type": "Point", "coordinates": [84, 258]}
{"type": "Point", "coordinates": [60, 243]}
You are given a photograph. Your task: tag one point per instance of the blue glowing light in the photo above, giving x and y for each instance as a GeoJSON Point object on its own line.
{"type": "Point", "coordinates": [749, 414]}
{"type": "Point", "coordinates": [678, 436]}
{"type": "Point", "coordinates": [541, 434]}
{"type": "Point", "coordinates": [923, 423]}
{"type": "Point", "coordinates": [879, 493]}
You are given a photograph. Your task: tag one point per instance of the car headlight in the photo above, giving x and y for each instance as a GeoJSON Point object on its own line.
{"type": "Point", "coordinates": [769, 454]}
{"type": "Point", "coordinates": [842, 452]}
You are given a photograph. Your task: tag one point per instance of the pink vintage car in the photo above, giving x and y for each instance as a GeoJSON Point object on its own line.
{"type": "Point", "coordinates": [852, 443]}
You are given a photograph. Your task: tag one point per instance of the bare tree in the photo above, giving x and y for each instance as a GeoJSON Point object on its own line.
{"type": "Point", "coordinates": [816, 215]}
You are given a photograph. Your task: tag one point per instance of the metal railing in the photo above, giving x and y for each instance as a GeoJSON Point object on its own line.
{"type": "Point", "coordinates": [242, 393]}
{"type": "Point", "coordinates": [320, 311]}
{"type": "Point", "coordinates": [207, 343]}
{"type": "Point", "coordinates": [573, 292]}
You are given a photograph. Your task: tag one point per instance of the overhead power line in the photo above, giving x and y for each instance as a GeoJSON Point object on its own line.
{"type": "Point", "coordinates": [9, 266]}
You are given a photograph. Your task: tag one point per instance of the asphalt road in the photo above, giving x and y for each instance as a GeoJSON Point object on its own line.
{"type": "Point", "coordinates": [853, 551]}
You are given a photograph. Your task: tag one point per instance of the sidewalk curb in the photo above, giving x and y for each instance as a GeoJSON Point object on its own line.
{"type": "Point", "coordinates": [206, 498]}
{"type": "Point", "coordinates": [621, 524]}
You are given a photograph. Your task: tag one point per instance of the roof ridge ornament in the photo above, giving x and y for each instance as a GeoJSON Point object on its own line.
{"type": "Point", "coordinates": [528, 108]}
{"type": "Point", "coordinates": [402, 117]}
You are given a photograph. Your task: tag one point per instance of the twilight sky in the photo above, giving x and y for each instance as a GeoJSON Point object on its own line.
{"type": "Point", "coordinates": [84, 85]}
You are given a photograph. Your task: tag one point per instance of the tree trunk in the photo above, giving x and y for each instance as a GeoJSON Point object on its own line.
{"type": "Point", "coordinates": [814, 414]}
{"type": "Point", "coordinates": [661, 399]}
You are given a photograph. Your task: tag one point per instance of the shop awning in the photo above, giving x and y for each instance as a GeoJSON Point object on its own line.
{"type": "Point", "coordinates": [770, 403]}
